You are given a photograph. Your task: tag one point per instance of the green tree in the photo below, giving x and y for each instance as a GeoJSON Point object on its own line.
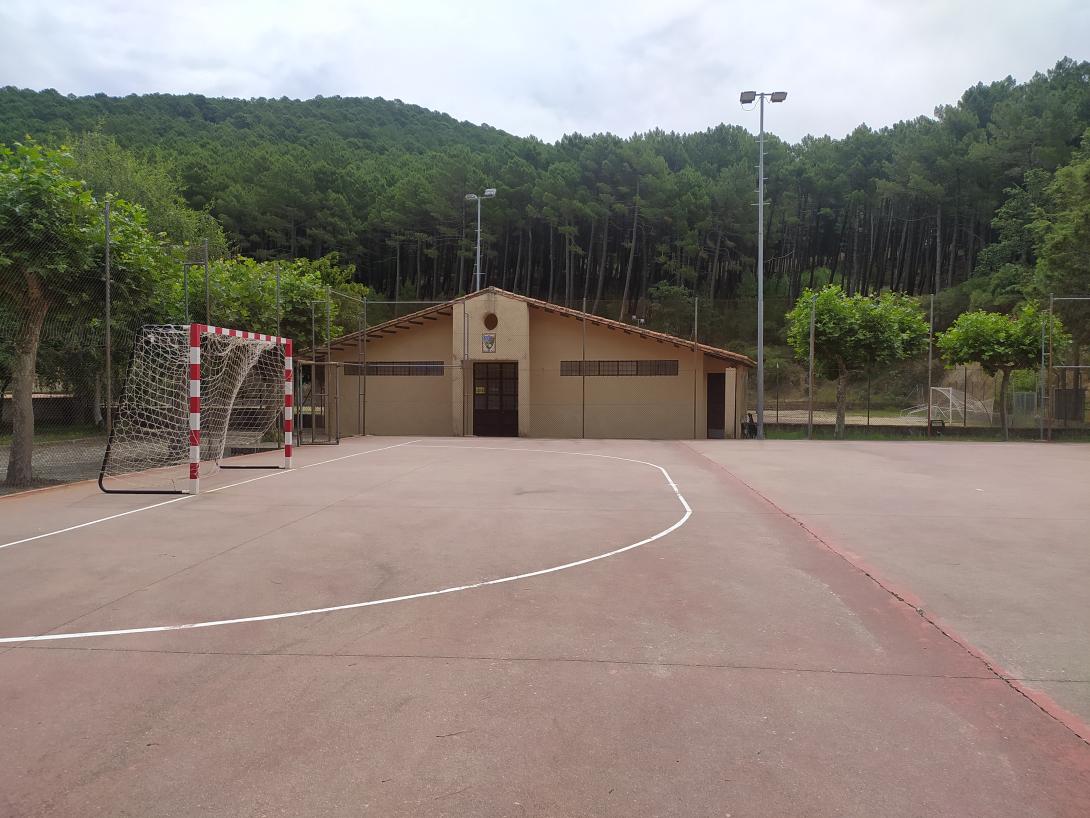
{"type": "Point", "coordinates": [1000, 344]}
{"type": "Point", "coordinates": [243, 295]}
{"type": "Point", "coordinates": [853, 332]}
{"type": "Point", "coordinates": [1063, 235]}
{"type": "Point", "coordinates": [671, 309]}
{"type": "Point", "coordinates": [107, 169]}
{"type": "Point", "coordinates": [51, 248]}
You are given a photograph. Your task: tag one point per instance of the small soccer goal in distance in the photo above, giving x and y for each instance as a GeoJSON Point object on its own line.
{"type": "Point", "coordinates": [195, 395]}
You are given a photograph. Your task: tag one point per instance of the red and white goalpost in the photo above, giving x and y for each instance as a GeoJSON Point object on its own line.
{"type": "Point", "coordinates": [194, 395]}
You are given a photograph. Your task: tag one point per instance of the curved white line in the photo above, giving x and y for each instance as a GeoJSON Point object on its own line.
{"type": "Point", "coordinates": [353, 605]}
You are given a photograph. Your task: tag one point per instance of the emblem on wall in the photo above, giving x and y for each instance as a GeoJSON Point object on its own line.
{"type": "Point", "coordinates": [488, 342]}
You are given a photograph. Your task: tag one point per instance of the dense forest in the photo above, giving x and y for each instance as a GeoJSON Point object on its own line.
{"type": "Point", "coordinates": [948, 201]}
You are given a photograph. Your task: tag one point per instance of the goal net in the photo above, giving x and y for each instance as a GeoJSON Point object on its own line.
{"type": "Point", "coordinates": [194, 396]}
{"type": "Point", "coordinates": [954, 406]}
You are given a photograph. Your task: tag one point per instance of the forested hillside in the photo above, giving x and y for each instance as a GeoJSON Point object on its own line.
{"type": "Point", "coordinates": [967, 193]}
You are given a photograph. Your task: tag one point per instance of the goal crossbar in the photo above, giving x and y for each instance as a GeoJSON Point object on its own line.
{"type": "Point", "coordinates": [195, 375]}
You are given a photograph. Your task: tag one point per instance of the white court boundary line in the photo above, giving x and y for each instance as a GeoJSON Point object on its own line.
{"type": "Point", "coordinates": [278, 473]}
{"type": "Point", "coordinates": [406, 597]}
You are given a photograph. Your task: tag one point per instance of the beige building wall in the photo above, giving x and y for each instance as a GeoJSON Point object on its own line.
{"type": "Point", "coordinates": [549, 404]}
{"type": "Point", "coordinates": [512, 344]}
{"type": "Point", "coordinates": [557, 406]}
{"type": "Point", "coordinates": [740, 399]}
{"type": "Point", "coordinates": [731, 423]}
{"type": "Point", "coordinates": [402, 404]}
{"type": "Point", "coordinates": [645, 407]}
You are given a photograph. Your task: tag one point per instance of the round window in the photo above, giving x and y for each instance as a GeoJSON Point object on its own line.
{"type": "Point", "coordinates": [491, 320]}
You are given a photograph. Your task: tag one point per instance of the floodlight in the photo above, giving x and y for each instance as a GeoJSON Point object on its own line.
{"type": "Point", "coordinates": [778, 96]}
{"type": "Point", "coordinates": [747, 97]}
{"type": "Point", "coordinates": [489, 192]}
{"type": "Point", "coordinates": [471, 197]}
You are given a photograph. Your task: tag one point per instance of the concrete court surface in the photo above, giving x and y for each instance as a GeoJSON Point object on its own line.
{"type": "Point", "coordinates": [992, 540]}
{"type": "Point", "coordinates": [733, 666]}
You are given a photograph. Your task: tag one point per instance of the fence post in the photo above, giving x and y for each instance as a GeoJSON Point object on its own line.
{"type": "Point", "coordinates": [207, 287]}
{"type": "Point", "coordinates": [1048, 376]}
{"type": "Point", "coordinates": [810, 377]}
{"type": "Point", "coordinates": [930, 348]}
{"type": "Point", "coordinates": [109, 336]}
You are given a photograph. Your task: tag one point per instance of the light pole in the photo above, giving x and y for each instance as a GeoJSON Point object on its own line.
{"type": "Point", "coordinates": [489, 193]}
{"type": "Point", "coordinates": [747, 98]}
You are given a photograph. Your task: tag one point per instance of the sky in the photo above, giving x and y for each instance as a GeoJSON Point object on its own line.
{"type": "Point", "coordinates": [550, 68]}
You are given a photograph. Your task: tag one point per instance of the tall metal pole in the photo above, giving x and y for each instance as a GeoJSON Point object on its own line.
{"type": "Point", "coordinates": [930, 348]}
{"type": "Point", "coordinates": [313, 370]}
{"type": "Point", "coordinates": [583, 376]}
{"type": "Point", "coordinates": [696, 364]}
{"type": "Point", "coordinates": [761, 278]}
{"type": "Point", "coordinates": [109, 338]}
{"type": "Point", "coordinates": [276, 268]}
{"type": "Point", "coordinates": [207, 288]}
{"type": "Point", "coordinates": [332, 381]}
{"type": "Point", "coordinates": [1048, 378]}
{"type": "Point", "coordinates": [810, 376]}
{"type": "Point", "coordinates": [1041, 381]}
{"type": "Point", "coordinates": [477, 274]}
{"type": "Point", "coordinates": [964, 395]}
{"type": "Point", "coordinates": [363, 399]}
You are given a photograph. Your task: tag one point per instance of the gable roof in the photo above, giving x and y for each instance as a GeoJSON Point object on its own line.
{"type": "Point", "coordinates": [432, 313]}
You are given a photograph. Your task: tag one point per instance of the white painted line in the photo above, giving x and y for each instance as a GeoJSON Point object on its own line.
{"type": "Point", "coordinates": [95, 522]}
{"type": "Point", "coordinates": [422, 595]}
{"type": "Point", "coordinates": [191, 496]}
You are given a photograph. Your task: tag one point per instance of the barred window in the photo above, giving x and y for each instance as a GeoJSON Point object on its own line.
{"type": "Point", "coordinates": [618, 368]}
{"type": "Point", "coordinates": [400, 368]}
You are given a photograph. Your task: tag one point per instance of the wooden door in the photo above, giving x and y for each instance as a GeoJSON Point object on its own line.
{"type": "Point", "coordinates": [717, 404]}
{"type": "Point", "coordinates": [496, 399]}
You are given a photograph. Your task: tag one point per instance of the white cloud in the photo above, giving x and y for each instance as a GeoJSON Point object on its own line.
{"type": "Point", "coordinates": [549, 68]}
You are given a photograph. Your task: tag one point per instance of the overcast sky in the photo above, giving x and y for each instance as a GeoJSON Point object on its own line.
{"type": "Point", "coordinates": [549, 68]}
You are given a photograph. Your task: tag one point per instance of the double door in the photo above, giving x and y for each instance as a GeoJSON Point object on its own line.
{"type": "Point", "coordinates": [496, 399]}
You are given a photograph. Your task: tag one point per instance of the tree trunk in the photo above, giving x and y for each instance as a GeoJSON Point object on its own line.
{"type": "Point", "coordinates": [567, 267]}
{"type": "Point", "coordinates": [841, 399]}
{"type": "Point", "coordinates": [631, 254]}
{"type": "Point", "coordinates": [601, 265]}
{"type": "Point", "coordinates": [96, 404]}
{"type": "Point", "coordinates": [953, 252]}
{"type": "Point", "coordinates": [839, 244]}
{"type": "Point", "coordinates": [518, 264]}
{"type": "Point", "coordinates": [20, 472]}
{"type": "Point", "coordinates": [529, 285]}
{"type": "Point", "coordinates": [938, 249]}
{"type": "Point", "coordinates": [552, 264]}
{"type": "Point", "coordinates": [713, 272]}
{"type": "Point", "coordinates": [461, 253]}
{"type": "Point", "coordinates": [435, 268]}
{"type": "Point", "coordinates": [587, 264]}
{"type": "Point", "coordinates": [896, 276]}
{"type": "Point", "coordinates": [3, 391]}
{"type": "Point", "coordinates": [397, 276]}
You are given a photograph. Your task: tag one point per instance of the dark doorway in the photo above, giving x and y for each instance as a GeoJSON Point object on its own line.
{"type": "Point", "coordinates": [717, 404]}
{"type": "Point", "coordinates": [496, 399]}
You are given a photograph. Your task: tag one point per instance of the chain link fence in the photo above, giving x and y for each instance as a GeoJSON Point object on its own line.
{"type": "Point", "coordinates": [77, 377]}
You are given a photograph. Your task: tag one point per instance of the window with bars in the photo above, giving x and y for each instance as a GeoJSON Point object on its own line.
{"type": "Point", "coordinates": [618, 368]}
{"type": "Point", "coordinates": [400, 368]}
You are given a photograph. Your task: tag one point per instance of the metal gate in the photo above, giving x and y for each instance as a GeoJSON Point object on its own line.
{"type": "Point", "coordinates": [317, 403]}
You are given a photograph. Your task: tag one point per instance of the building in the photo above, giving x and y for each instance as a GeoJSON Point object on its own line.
{"type": "Point", "coordinates": [494, 363]}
